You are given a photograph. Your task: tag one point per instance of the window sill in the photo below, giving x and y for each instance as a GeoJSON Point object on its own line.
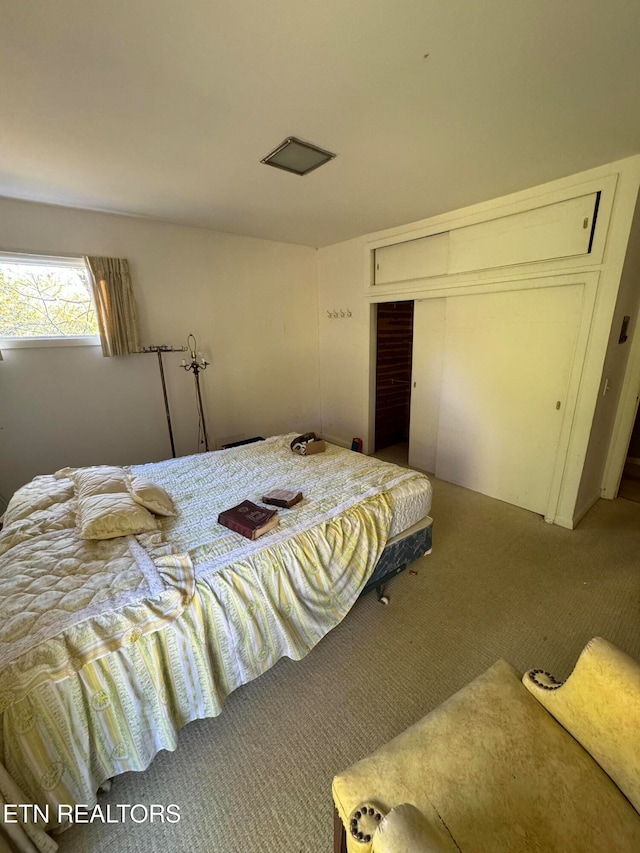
{"type": "Point", "coordinates": [35, 343]}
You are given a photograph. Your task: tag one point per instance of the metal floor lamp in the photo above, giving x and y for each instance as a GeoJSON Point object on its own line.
{"type": "Point", "coordinates": [196, 366]}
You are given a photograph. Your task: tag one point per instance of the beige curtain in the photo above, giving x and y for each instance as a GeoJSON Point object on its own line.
{"type": "Point", "coordinates": [115, 305]}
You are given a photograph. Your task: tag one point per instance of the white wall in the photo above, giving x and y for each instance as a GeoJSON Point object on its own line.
{"type": "Point", "coordinates": [628, 302]}
{"type": "Point", "coordinates": [344, 343]}
{"type": "Point", "coordinates": [252, 305]}
{"type": "Point", "coordinates": [345, 370]}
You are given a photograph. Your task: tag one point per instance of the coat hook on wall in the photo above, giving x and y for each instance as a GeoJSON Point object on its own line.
{"type": "Point", "coordinates": [340, 313]}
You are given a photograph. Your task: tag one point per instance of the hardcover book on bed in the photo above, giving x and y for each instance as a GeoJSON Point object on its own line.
{"type": "Point", "coordinates": [249, 519]}
{"type": "Point", "coordinates": [286, 498]}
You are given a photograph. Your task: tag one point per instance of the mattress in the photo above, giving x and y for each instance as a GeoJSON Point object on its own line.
{"type": "Point", "coordinates": [205, 484]}
{"type": "Point", "coordinates": [411, 503]}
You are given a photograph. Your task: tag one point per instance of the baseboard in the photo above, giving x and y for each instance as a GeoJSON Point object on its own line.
{"type": "Point", "coordinates": [339, 441]}
{"type": "Point", "coordinates": [563, 521]}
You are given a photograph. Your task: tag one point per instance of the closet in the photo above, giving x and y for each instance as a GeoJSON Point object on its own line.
{"type": "Point", "coordinates": [490, 384]}
{"type": "Point", "coordinates": [564, 229]}
{"type": "Point", "coordinates": [518, 374]}
{"type": "Point", "coordinates": [499, 341]}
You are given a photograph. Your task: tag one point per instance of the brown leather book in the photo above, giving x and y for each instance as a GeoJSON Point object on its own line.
{"type": "Point", "coordinates": [249, 519]}
{"type": "Point", "coordinates": [282, 497]}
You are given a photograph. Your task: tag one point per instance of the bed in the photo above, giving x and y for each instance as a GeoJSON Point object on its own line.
{"type": "Point", "coordinates": [108, 648]}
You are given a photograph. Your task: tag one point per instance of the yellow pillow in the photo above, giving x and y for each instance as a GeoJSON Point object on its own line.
{"type": "Point", "coordinates": [105, 508]}
{"type": "Point", "coordinates": [151, 496]}
{"type": "Point", "coordinates": [113, 514]}
{"type": "Point", "coordinates": [101, 480]}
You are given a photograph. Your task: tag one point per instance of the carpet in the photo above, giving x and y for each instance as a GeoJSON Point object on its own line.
{"type": "Point", "coordinates": [500, 583]}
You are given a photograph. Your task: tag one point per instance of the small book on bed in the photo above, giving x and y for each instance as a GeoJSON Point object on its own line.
{"type": "Point", "coordinates": [249, 519]}
{"type": "Point", "coordinates": [285, 498]}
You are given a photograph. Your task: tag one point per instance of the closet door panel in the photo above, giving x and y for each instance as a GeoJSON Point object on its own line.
{"type": "Point", "coordinates": [506, 366]}
{"type": "Point", "coordinates": [559, 230]}
{"type": "Point", "coordinates": [426, 381]}
{"type": "Point", "coordinates": [421, 258]}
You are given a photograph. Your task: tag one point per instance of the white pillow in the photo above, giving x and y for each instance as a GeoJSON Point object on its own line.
{"type": "Point", "coordinates": [110, 515]}
{"type": "Point", "coordinates": [101, 480]}
{"type": "Point", "coordinates": [151, 496]}
{"type": "Point", "coordinates": [105, 509]}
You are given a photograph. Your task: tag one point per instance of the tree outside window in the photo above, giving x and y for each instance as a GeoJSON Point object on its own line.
{"type": "Point", "coordinates": [45, 301]}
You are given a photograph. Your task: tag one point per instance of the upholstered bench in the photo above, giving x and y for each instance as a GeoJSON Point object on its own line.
{"type": "Point", "coordinates": [508, 763]}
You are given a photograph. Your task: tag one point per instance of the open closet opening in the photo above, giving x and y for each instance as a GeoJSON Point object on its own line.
{"type": "Point", "coordinates": [394, 346]}
{"type": "Point", "coordinates": [621, 477]}
{"type": "Point", "coordinates": [630, 482]}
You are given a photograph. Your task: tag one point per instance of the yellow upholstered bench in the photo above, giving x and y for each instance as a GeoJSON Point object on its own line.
{"type": "Point", "coordinates": [508, 763]}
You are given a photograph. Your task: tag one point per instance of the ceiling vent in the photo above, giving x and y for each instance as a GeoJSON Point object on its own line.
{"type": "Point", "coordinates": [294, 155]}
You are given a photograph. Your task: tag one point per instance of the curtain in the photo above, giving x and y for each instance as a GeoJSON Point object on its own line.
{"type": "Point", "coordinates": [115, 305]}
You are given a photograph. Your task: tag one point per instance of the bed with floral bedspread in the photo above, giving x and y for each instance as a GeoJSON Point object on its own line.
{"type": "Point", "coordinates": [108, 648]}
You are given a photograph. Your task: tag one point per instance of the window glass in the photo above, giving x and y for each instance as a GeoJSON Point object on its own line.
{"type": "Point", "coordinates": [45, 300]}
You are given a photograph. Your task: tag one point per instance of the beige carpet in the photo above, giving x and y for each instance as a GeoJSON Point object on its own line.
{"type": "Point", "coordinates": [499, 583]}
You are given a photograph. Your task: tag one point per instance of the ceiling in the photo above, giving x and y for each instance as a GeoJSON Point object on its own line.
{"type": "Point", "coordinates": [164, 108]}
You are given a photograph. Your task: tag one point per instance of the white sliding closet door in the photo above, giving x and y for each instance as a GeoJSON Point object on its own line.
{"type": "Point", "coordinates": [426, 382]}
{"type": "Point", "coordinates": [506, 365]}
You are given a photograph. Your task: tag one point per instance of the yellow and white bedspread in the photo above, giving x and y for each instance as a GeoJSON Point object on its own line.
{"type": "Point", "coordinates": [108, 648]}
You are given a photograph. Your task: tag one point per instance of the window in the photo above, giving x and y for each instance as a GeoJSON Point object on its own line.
{"type": "Point", "coordinates": [45, 300]}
